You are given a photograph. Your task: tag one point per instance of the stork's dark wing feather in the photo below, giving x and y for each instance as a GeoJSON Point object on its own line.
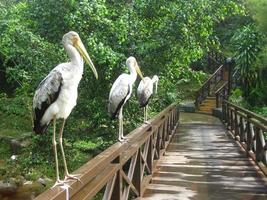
{"type": "Point", "coordinates": [46, 93]}
{"type": "Point", "coordinates": [144, 91]}
{"type": "Point", "coordinates": [118, 93]}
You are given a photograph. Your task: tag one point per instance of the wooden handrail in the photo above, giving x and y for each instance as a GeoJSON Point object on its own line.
{"type": "Point", "coordinates": [248, 113]}
{"type": "Point", "coordinates": [123, 167]}
{"type": "Point", "coordinates": [249, 129]}
{"type": "Point", "coordinates": [212, 77]}
{"type": "Point", "coordinates": [221, 94]}
{"type": "Point", "coordinates": [221, 88]}
{"type": "Point", "coordinates": [204, 91]}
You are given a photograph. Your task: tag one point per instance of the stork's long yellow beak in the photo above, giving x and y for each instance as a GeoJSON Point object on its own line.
{"type": "Point", "coordinates": [80, 47]}
{"type": "Point", "coordinates": [137, 68]}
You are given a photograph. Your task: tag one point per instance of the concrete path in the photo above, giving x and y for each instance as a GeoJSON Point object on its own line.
{"type": "Point", "coordinates": [204, 163]}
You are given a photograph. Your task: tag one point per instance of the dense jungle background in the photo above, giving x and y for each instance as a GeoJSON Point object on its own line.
{"type": "Point", "coordinates": [169, 38]}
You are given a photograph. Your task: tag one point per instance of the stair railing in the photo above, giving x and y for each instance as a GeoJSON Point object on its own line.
{"type": "Point", "coordinates": [207, 87]}
{"type": "Point", "coordinates": [221, 94]}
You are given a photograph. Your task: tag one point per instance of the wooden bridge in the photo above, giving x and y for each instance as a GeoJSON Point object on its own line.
{"type": "Point", "coordinates": [193, 156]}
{"type": "Point", "coordinates": [182, 155]}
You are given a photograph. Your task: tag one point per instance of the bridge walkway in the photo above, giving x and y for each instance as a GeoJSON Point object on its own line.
{"type": "Point", "coordinates": [204, 162]}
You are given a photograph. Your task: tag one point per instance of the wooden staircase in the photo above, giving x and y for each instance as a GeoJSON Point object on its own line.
{"type": "Point", "coordinates": [207, 105]}
{"type": "Point", "coordinates": [215, 89]}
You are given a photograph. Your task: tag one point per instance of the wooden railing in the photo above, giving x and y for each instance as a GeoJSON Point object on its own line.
{"type": "Point", "coordinates": [221, 94]}
{"type": "Point", "coordinates": [123, 170]}
{"type": "Point", "coordinates": [207, 87]}
{"type": "Point", "coordinates": [249, 129]}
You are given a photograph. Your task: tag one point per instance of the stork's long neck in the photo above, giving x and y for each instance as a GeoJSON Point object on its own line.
{"type": "Point", "coordinates": [133, 74]}
{"type": "Point", "coordinates": [75, 57]}
{"type": "Point", "coordinates": [154, 80]}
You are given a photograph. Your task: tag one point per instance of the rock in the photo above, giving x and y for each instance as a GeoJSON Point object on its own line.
{"type": "Point", "coordinates": [27, 183]}
{"type": "Point", "coordinates": [44, 181]}
{"type": "Point", "coordinates": [19, 180]}
{"type": "Point", "coordinates": [7, 188]}
{"type": "Point", "coordinates": [14, 157]}
{"type": "Point", "coordinates": [16, 146]}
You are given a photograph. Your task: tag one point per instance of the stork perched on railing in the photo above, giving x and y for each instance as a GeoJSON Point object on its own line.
{"type": "Point", "coordinates": [121, 91]}
{"type": "Point", "coordinates": [57, 93]}
{"type": "Point", "coordinates": [145, 91]}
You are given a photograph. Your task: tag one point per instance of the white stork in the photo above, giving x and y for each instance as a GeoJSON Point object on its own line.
{"type": "Point", "coordinates": [121, 91]}
{"type": "Point", "coordinates": [57, 93]}
{"type": "Point", "coordinates": [145, 91]}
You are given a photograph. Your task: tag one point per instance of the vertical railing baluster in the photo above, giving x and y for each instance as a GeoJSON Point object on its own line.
{"type": "Point", "coordinates": [150, 154]}
{"type": "Point", "coordinates": [158, 143]}
{"type": "Point", "coordinates": [137, 177]}
{"type": "Point", "coordinates": [117, 189]}
{"type": "Point", "coordinates": [236, 123]}
{"type": "Point", "coordinates": [259, 147]}
{"type": "Point", "coordinates": [249, 135]}
{"type": "Point", "coordinates": [241, 128]}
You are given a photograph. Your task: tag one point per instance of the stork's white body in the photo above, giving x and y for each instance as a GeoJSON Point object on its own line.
{"type": "Point", "coordinates": [56, 95]}
{"type": "Point", "coordinates": [145, 91]}
{"type": "Point", "coordinates": [71, 73]}
{"type": "Point", "coordinates": [120, 92]}
{"type": "Point", "coordinates": [66, 101]}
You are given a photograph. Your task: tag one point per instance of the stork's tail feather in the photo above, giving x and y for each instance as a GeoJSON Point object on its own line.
{"type": "Point", "coordinates": [113, 115]}
{"type": "Point", "coordinates": [143, 104]}
{"type": "Point", "coordinates": [39, 129]}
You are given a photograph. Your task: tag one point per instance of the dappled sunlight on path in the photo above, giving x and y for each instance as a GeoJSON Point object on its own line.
{"type": "Point", "coordinates": [202, 162]}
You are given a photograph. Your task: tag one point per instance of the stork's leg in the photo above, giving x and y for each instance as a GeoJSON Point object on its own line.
{"type": "Point", "coordinates": [121, 137]}
{"type": "Point", "coordinates": [67, 175]}
{"type": "Point", "coordinates": [58, 181]}
{"type": "Point", "coordinates": [120, 126]}
{"type": "Point", "coordinates": [146, 115]}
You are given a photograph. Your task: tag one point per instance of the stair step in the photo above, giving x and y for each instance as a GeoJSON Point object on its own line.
{"type": "Point", "coordinates": [208, 103]}
{"type": "Point", "coordinates": [206, 109]}
{"type": "Point", "coordinates": [211, 97]}
{"type": "Point", "coordinates": [205, 112]}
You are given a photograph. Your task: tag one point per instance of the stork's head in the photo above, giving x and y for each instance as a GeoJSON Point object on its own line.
{"type": "Point", "coordinates": [155, 80]}
{"type": "Point", "coordinates": [131, 62]}
{"type": "Point", "coordinates": [72, 38]}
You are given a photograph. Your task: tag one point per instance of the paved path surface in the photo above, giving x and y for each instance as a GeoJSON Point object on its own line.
{"type": "Point", "coordinates": [204, 163]}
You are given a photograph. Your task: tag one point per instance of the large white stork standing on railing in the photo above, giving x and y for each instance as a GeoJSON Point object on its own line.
{"type": "Point", "coordinates": [121, 91]}
{"type": "Point", "coordinates": [145, 91]}
{"type": "Point", "coordinates": [56, 95]}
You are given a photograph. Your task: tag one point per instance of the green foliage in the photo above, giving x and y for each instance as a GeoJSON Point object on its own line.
{"type": "Point", "coordinates": [88, 145]}
{"type": "Point", "coordinates": [247, 45]}
{"type": "Point", "coordinates": [164, 36]}
{"type": "Point", "coordinates": [261, 110]}
{"type": "Point", "coordinates": [258, 9]}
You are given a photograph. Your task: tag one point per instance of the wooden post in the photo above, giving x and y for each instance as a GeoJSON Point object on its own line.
{"type": "Point", "coordinates": [249, 136]}
{"type": "Point", "coordinates": [217, 100]}
{"type": "Point", "coordinates": [242, 137]}
{"type": "Point", "coordinates": [150, 154]}
{"type": "Point", "coordinates": [236, 124]}
{"type": "Point", "coordinates": [158, 142]}
{"type": "Point", "coordinates": [259, 147]}
{"type": "Point", "coordinates": [230, 65]}
{"type": "Point", "coordinates": [117, 190]}
{"type": "Point", "coordinates": [137, 173]}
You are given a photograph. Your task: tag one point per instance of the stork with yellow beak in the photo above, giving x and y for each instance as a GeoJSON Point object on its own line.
{"type": "Point", "coordinates": [56, 95]}
{"type": "Point", "coordinates": [121, 91]}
